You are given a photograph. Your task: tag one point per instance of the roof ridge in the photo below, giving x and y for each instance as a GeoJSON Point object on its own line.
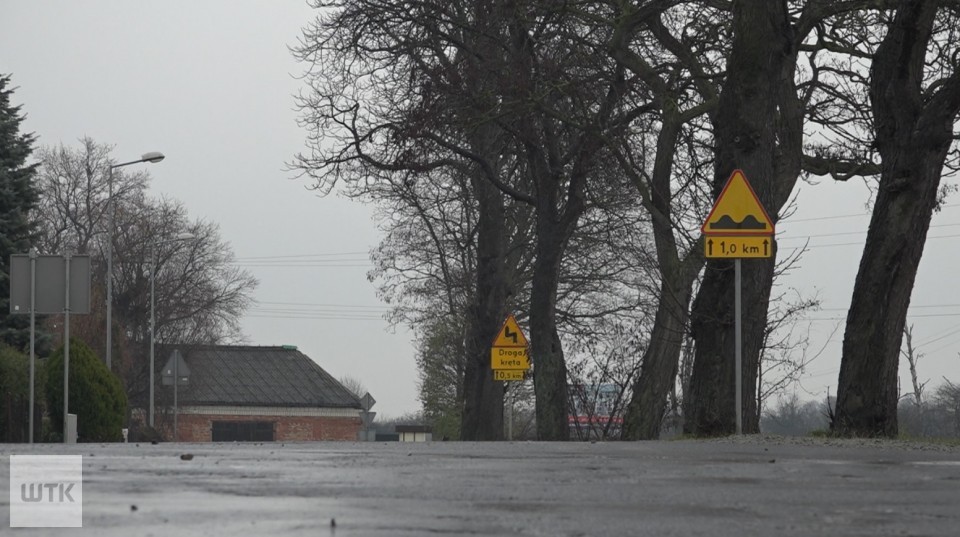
{"type": "Point", "coordinates": [260, 375]}
{"type": "Point", "coordinates": [217, 346]}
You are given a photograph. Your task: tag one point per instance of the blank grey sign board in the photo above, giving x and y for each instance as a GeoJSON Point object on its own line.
{"type": "Point", "coordinates": [51, 284]}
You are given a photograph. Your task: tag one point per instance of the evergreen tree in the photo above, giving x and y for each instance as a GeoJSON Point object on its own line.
{"type": "Point", "coordinates": [18, 196]}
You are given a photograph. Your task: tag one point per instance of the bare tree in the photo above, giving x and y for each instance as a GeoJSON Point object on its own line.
{"type": "Point", "coordinates": [915, 98]}
{"type": "Point", "coordinates": [913, 356]}
{"type": "Point", "coordinates": [758, 127]}
{"type": "Point", "coordinates": [793, 417]}
{"type": "Point", "coordinates": [785, 355]}
{"type": "Point", "coordinates": [912, 410]}
{"type": "Point", "coordinates": [684, 61]}
{"type": "Point", "coordinates": [353, 384]}
{"type": "Point", "coordinates": [948, 399]}
{"type": "Point", "coordinates": [73, 206]}
{"type": "Point", "coordinates": [680, 72]}
{"type": "Point", "coordinates": [200, 293]}
{"type": "Point", "coordinates": [517, 99]}
{"type": "Point", "coordinates": [398, 92]}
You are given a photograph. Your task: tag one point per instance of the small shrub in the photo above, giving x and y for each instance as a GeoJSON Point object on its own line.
{"type": "Point", "coordinates": [96, 395]}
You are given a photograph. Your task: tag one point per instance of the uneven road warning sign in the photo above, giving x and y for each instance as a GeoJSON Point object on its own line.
{"type": "Point", "coordinates": [509, 356]}
{"type": "Point", "coordinates": [738, 211]}
{"type": "Point", "coordinates": [738, 226]}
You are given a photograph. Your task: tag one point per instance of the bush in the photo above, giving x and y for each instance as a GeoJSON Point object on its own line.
{"type": "Point", "coordinates": [15, 395]}
{"type": "Point", "coordinates": [96, 395]}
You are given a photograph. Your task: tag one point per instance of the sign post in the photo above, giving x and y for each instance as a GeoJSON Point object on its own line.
{"type": "Point", "coordinates": [33, 334]}
{"type": "Point", "coordinates": [510, 360]}
{"type": "Point", "coordinates": [177, 373]}
{"type": "Point", "coordinates": [738, 227]}
{"type": "Point", "coordinates": [366, 418]}
{"type": "Point", "coordinates": [50, 284]}
{"type": "Point", "coordinates": [509, 356]}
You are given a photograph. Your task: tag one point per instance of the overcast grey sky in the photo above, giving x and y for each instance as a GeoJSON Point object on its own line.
{"type": "Point", "coordinates": [210, 84]}
{"type": "Point", "coordinates": [833, 218]}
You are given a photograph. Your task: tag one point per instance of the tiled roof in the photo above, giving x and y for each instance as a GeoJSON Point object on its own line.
{"type": "Point", "coordinates": [258, 376]}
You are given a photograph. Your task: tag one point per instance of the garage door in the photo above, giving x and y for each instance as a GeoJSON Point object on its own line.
{"type": "Point", "coordinates": [243, 431]}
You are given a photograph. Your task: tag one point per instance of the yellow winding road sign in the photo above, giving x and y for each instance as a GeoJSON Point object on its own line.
{"type": "Point", "coordinates": [509, 357]}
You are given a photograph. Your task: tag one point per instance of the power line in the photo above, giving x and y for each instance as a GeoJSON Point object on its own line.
{"type": "Point", "coordinates": [920, 316]}
{"type": "Point", "coordinates": [860, 232]}
{"type": "Point", "coordinates": [310, 304]}
{"type": "Point", "coordinates": [813, 246]}
{"type": "Point", "coordinates": [938, 349]}
{"type": "Point", "coordinates": [351, 310]}
{"type": "Point", "coordinates": [290, 256]}
{"type": "Point", "coordinates": [912, 306]}
{"type": "Point", "coordinates": [315, 317]}
{"type": "Point", "coordinates": [948, 334]}
{"type": "Point", "coordinates": [851, 215]}
{"type": "Point", "coordinates": [279, 265]}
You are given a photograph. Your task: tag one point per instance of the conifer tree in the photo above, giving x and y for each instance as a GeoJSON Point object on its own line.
{"type": "Point", "coordinates": [18, 196]}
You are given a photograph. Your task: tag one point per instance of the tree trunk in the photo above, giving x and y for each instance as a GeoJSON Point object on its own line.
{"type": "Point", "coordinates": [482, 417]}
{"type": "Point", "coordinates": [658, 369]}
{"type": "Point", "coordinates": [710, 406]}
{"type": "Point", "coordinates": [550, 373]}
{"type": "Point", "coordinates": [758, 84]}
{"type": "Point", "coordinates": [913, 135]}
{"type": "Point", "coordinates": [483, 397]}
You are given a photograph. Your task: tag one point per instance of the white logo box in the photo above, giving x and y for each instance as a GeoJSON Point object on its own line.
{"type": "Point", "coordinates": [46, 491]}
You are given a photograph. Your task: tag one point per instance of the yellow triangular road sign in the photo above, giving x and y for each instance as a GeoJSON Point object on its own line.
{"type": "Point", "coordinates": [510, 334]}
{"type": "Point", "coordinates": [738, 211]}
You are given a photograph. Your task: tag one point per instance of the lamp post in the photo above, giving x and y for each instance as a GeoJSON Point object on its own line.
{"type": "Point", "coordinates": [152, 157]}
{"type": "Point", "coordinates": [153, 274]}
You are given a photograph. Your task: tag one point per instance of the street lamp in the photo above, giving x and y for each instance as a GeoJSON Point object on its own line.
{"type": "Point", "coordinates": [151, 157]}
{"type": "Point", "coordinates": [153, 273]}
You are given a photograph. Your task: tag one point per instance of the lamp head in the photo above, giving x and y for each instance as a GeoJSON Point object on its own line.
{"type": "Point", "coordinates": [152, 157]}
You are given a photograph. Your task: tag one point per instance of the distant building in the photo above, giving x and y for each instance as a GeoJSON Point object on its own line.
{"type": "Point", "coordinates": [391, 432]}
{"type": "Point", "coordinates": [414, 433]}
{"type": "Point", "coordinates": [262, 394]}
{"type": "Point", "coordinates": [597, 411]}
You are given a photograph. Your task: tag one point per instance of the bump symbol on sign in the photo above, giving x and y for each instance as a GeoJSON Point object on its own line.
{"type": "Point", "coordinates": [738, 211]}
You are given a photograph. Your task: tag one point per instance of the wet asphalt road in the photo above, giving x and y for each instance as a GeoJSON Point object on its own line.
{"type": "Point", "coordinates": [762, 487]}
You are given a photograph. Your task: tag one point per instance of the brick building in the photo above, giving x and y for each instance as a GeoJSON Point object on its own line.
{"type": "Point", "coordinates": [263, 394]}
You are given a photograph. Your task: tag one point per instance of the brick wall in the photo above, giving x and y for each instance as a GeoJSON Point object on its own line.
{"type": "Point", "coordinates": [198, 428]}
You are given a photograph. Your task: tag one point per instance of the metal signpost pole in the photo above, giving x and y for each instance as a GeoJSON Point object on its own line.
{"type": "Point", "coordinates": [153, 269]}
{"type": "Point", "coordinates": [738, 341]}
{"type": "Point", "coordinates": [510, 422]}
{"type": "Point", "coordinates": [176, 409]}
{"type": "Point", "coordinates": [66, 349]}
{"type": "Point", "coordinates": [110, 217]}
{"type": "Point", "coordinates": [33, 327]}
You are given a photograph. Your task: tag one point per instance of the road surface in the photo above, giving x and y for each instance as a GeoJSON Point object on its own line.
{"type": "Point", "coordinates": [734, 487]}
